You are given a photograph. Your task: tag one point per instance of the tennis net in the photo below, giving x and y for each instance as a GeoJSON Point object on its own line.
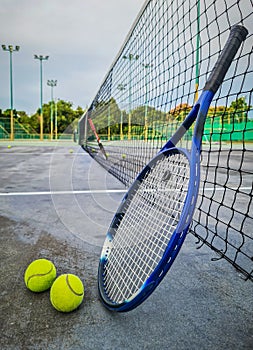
{"type": "Point", "coordinates": [150, 87]}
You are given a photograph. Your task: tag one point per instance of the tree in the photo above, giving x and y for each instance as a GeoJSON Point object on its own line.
{"type": "Point", "coordinates": [239, 108]}
{"type": "Point", "coordinates": [66, 115]}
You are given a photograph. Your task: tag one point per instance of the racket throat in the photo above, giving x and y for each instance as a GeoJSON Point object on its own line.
{"type": "Point", "coordinates": [204, 104]}
{"type": "Point", "coordinates": [184, 127]}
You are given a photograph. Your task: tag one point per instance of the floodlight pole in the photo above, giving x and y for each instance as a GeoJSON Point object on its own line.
{"type": "Point", "coordinates": [52, 84]}
{"type": "Point", "coordinates": [11, 49]}
{"type": "Point", "coordinates": [109, 121]}
{"type": "Point", "coordinates": [131, 57]}
{"type": "Point", "coordinates": [146, 67]}
{"type": "Point", "coordinates": [197, 53]}
{"type": "Point", "coordinates": [55, 121]}
{"type": "Point", "coordinates": [121, 87]}
{"type": "Point", "coordinates": [41, 58]}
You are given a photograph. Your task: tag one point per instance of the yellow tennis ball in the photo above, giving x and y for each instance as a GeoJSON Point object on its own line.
{"type": "Point", "coordinates": [40, 275]}
{"type": "Point", "coordinates": [67, 293]}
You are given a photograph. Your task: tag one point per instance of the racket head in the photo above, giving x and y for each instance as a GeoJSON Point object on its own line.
{"type": "Point", "coordinates": [102, 149]}
{"type": "Point", "coordinates": [148, 229]}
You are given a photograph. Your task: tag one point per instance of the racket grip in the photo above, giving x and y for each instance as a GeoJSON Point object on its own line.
{"type": "Point", "coordinates": [237, 35]}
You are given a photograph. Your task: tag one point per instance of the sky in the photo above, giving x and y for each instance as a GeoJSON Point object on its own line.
{"type": "Point", "coordinates": [81, 38]}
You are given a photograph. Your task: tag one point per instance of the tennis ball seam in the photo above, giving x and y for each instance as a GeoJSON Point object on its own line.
{"type": "Point", "coordinates": [54, 305]}
{"type": "Point", "coordinates": [72, 290]}
{"type": "Point", "coordinates": [39, 275]}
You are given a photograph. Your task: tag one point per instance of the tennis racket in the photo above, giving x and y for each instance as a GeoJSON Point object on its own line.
{"type": "Point", "coordinates": [92, 126]}
{"type": "Point", "coordinates": [154, 216]}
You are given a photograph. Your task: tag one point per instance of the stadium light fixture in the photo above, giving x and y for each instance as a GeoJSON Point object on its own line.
{"type": "Point", "coordinates": [11, 49]}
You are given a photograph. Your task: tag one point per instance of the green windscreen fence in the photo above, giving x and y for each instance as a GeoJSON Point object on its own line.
{"type": "Point", "coordinates": [20, 131]}
{"type": "Point", "coordinates": [26, 132]}
{"type": "Point", "coordinates": [150, 87]}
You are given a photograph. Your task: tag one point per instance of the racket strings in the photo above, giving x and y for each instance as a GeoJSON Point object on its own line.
{"type": "Point", "coordinates": [151, 216]}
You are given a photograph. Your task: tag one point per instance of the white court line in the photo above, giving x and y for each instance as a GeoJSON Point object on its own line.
{"type": "Point", "coordinates": [46, 193]}
{"type": "Point", "coordinates": [44, 154]}
{"type": "Point", "coordinates": [227, 188]}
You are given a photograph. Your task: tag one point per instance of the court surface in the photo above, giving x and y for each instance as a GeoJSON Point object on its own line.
{"type": "Point", "coordinates": [57, 202]}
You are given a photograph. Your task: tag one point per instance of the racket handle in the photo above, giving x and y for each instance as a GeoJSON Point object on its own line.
{"type": "Point", "coordinates": [237, 35]}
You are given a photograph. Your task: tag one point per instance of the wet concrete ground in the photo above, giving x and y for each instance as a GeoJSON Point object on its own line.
{"type": "Point", "coordinates": [50, 207]}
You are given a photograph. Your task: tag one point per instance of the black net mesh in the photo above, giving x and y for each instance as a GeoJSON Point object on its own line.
{"type": "Point", "coordinates": [152, 85]}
